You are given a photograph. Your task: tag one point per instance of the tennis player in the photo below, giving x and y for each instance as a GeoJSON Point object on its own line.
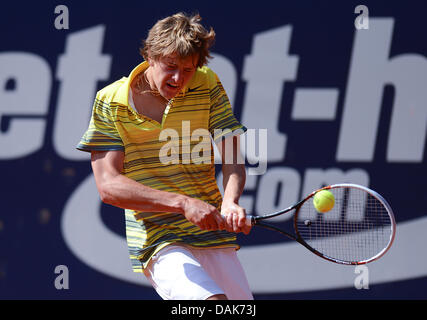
{"type": "Point", "coordinates": [151, 154]}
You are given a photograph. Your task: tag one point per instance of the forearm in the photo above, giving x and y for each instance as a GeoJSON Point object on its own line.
{"type": "Point", "coordinates": [234, 178]}
{"type": "Point", "coordinates": [234, 182]}
{"type": "Point", "coordinates": [123, 192]}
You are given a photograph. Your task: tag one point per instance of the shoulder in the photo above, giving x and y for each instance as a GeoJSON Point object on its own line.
{"type": "Point", "coordinates": [111, 92]}
{"type": "Point", "coordinates": [205, 71]}
{"type": "Point", "coordinates": [205, 77]}
{"type": "Point", "coordinates": [108, 101]}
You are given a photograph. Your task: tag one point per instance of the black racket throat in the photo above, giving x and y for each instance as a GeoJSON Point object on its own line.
{"type": "Point", "coordinates": [295, 207]}
{"type": "Point", "coordinates": [269, 226]}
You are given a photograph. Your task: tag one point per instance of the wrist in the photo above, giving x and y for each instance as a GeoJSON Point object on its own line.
{"type": "Point", "coordinates": [183, 203]}
{"type": "Point", "coordinates": [230, 200]}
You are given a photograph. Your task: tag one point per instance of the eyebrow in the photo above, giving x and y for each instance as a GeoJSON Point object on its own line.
{"type": "Point", "coordinates": [175, 60]}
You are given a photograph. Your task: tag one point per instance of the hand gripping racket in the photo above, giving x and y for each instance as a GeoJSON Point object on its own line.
{"type": "Point", "coordinates": [359, 229]}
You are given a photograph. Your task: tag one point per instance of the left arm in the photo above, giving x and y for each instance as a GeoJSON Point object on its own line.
{"type": "Point", "coordinates": [234, 178]}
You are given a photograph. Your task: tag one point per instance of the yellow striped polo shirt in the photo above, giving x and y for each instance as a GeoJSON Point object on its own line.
{"type": "Point", "coordinates": [175, 155]}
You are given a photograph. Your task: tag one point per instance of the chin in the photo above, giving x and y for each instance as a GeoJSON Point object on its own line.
{"type": "Point", "coordinates": [169, 94]}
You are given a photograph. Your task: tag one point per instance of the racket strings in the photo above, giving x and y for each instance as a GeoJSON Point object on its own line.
{"type": "Point", "coordinates": [357, 229]}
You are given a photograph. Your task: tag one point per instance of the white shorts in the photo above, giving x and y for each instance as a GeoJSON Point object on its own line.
{"type": "Point", "coordinates": [179, 272]}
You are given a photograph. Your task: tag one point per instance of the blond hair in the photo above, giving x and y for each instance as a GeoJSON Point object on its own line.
{"type": "Point", "coordinates": [178, 34]}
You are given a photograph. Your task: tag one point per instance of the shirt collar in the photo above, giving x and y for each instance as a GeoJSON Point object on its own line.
{"type": "Point", "coordinates": [122, 94]}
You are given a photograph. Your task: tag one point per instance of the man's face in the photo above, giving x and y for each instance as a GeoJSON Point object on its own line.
{"type": "Point", "coordinates": [170, 73]}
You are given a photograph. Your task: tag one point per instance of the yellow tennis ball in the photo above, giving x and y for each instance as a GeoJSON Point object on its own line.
{"type": "Point", "coordinates": [323, 201]}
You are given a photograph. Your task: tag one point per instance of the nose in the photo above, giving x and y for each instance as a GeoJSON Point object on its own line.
{"type": "Point", "coordinates": [177, 76]}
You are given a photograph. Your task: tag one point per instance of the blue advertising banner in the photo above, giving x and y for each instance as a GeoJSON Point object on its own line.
{"type": "Point", "coordinates": [337, 90]}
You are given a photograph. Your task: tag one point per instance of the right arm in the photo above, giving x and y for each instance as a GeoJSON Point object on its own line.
{"type": "Point", "coordinates": [118, 190]}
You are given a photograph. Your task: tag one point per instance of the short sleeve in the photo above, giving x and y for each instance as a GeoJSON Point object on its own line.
{"type": "Point", "coordinates": [222, 121]}
{"type": "Point", "coordinates": [102, 134]}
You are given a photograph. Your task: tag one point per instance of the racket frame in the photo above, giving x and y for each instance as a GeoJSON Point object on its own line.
{"type": "Point", "coordinates": [259, 221]}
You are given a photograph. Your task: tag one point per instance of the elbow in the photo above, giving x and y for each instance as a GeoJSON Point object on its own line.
{"type": "Point", "coordinates": [106, 195]}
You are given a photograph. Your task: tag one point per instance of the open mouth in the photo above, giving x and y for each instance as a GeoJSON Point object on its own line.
{"type": "Point", "coordinates": [172, 86]}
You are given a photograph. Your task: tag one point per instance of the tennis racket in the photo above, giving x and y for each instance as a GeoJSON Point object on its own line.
{"type": "Point", "coordinates": [359, 229]}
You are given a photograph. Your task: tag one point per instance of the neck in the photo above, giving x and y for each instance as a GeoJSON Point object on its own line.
{"type": "Point", "coordinates": [148, 80]}
{"type": "Point", "coordinates": [144, 86]}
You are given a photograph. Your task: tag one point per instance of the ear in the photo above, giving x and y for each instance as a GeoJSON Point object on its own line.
{"type": "Point", "coordinates": [151, 61]}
